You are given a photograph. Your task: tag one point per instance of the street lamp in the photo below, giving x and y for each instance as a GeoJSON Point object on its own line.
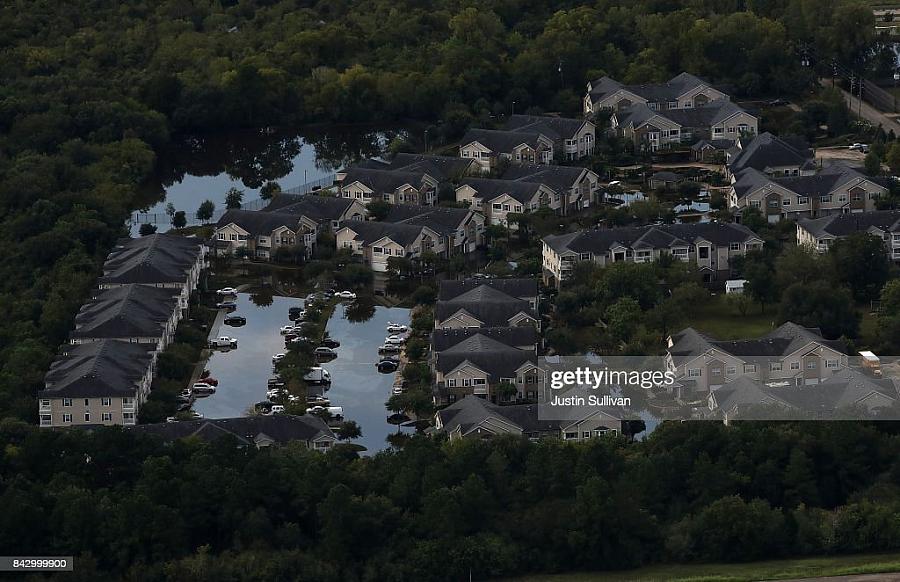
{"type": "Point", "coordinates": [426, 139]}
{"type": "Point", "coordinates": [559, 68]}
{"type": "Point", "coordinates": [513, 107]}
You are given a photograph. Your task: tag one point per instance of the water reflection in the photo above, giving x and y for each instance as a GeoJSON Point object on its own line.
{"type": "Point", "coordinates": [356, 385]}
{"type": "Point", "coordinates": [206, 167]}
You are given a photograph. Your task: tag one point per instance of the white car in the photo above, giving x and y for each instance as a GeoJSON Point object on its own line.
{"type": "Point", "coordinates": [196, 415]}
{"type": "Point", "coordinates": [389, 349]}
{"type": "Point", "coordinates": [397, 389]}
{"type": "Point", "coordinates": [202, 388]}
{"type": "Point", "coordinates": [223, 342]}
{"type": "Point", "coordinates": [227, 291]}
{"type": "Point", "coordinates": [397, 328]}
{"type": "Point", "coordinates": [395, 340]}
{"type": "Point", "coordinates": [170, 419]}
{"type": "Point", "coordinates": [325, 352]}
{"type": "Point", "coordinates": [277, 358]}
{"type": "Point", "coordinates": [345, 295]}
{"type": "Point", "coordinates": [277, 409]}
{"type": "Point", "coordinates": [286, 329]}
{"type": "Point", "coordinates": [275, 393]}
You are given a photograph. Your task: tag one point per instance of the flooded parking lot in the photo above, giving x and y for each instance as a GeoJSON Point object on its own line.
{"type": "Point", "coordinates": [356, 385]}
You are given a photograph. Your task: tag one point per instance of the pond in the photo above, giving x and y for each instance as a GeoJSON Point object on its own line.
{"type": "Point", "coordinates": [206, 167]}
{"type": "Point", "coordinates": [356, 385]}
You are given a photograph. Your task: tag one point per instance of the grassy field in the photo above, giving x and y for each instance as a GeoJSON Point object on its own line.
{"type": "Point", "coordinates": [722, 321]}
{"type": "Point", "coordinates": [772, 570]}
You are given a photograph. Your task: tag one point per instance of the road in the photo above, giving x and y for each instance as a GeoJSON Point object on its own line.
{"type": "Point", "coordinates": [887, 577]}
{"type": "Point", "coordinates": [867, 112]}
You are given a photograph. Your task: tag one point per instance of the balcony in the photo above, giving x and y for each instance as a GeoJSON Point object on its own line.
{"type": "Point", "coordinates": [480, 390]}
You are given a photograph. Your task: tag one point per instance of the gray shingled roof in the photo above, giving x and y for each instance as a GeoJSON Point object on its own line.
{"type": "Point", "coordinates": [442, 168]}
{"type": "Point", "coordinates": [657, 92]}
{"type": "Point", "coordinates": [310, 205]}
{"type": "Point", "coordinates": [97, 369]}
{"type": "Point", "coordinates": [501, 141]}
{"type": "Point", "coordinates": [125, 312]}
{"type": "Point", "coordinates": [521, 335]}
{"type": "Point", "coordinates": [157, 258]}
{"type": "Point", "coordinates": [704, 116]}
{"type": "Point", "coordinates": [555, 177]}
{"type": "Point", "coordinates": [659, 236]}
{"type": "Point", "coordinates": [281, 428]}
{"type": "Point", "coordinates": [749, 180]}
{"type": "Point", "coordinates": [368, 232]}
{"type": "Point", "coordinates": [489, 188]}
{"type": "Point", "coordinates": [556, 128]}
{"type": "Point", "coordinates": [260, 223]}
{"type": "Point", "coordinates": [515, 288]}
{"type": "Point", "coordinates": [383, 181]}
{"type": "Point", "coordinates": [491, 307]}
{"type": "Point", "coordinates": [840, 225]}
{"type": "Point", "coordinates": [496, 358]}
{"type": "Point", "coordinates": [768, 151]}
{"type": "Point", "coordinates": [440, 219]}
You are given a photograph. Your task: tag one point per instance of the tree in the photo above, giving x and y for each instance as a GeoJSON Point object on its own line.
{"type": "Point", "coordinates": [348, 430]}
{"type": "Point", "coordinates": [860, 261]}
{"type": "Point", "coordinates": [147, 229]}
{"type": "Point", "coordinates": [205, 211]}
{"type": "Point", "coordinates": [892, 159]}
{"type": "Point", "coordinates": [379, 209]}
{"type": "Point", "coordinates": [270, 190]}
{"type": "Point", "coordinates": [170, 210]}
{"type": "Point", "coordinates": [820, 304]}
{"type": "Point", "coordinates": [872, 164]}
{"type": "Point", "coordinates": [890, 298]}
{"type": "Point", "coordinates": [760, 283]}
{"type": "Point", "coordinates": [233, 199]}
{"type": "Point", "coordinates": [179, 219]}
{"type": "Point", "coordinates": [739, 301]}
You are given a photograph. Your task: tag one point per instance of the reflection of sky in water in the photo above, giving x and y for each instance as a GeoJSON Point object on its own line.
{"type": "Point", "coordinates": [356, 385]}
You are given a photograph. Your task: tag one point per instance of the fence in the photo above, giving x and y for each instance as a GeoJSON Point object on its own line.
{"type": "Point", "coordinates": [319, 184]}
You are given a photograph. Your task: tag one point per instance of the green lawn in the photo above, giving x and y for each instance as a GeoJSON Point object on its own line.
{"type": "Point", "coordinates": [772, 570]}
{"type": "Point", "coordinates": [724, 322]}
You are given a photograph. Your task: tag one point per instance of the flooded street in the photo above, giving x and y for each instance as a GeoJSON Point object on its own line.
{"type": "Point", "coordinates": [356, 385]}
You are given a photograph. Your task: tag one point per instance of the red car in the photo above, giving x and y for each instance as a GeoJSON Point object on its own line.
{"type": "Point", "coordinates": [210, 380]}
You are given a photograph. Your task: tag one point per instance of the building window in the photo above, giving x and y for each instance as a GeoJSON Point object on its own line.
{"type": "Point", "coordinates": [571, 436]}
{"type": "Point", "coordinates": [715, 371]}
{"type": "Point", "coordinates": [496, 206]}
{"type": "Point", "coordinates": [105, 401]}
{"type": "Point", "coordinates": [67, 418]}
{"type": "Point", "coordinates": [825, 199]}
{"type": "Point", "coordinates": [795, 365]}
{"type": "Point", "coordinates": [451, 383]}
{"type": "Point", "coordinates": [87, 416]}
{"type": "Point", "coordinates": [735, 246]}
{"type": "Point", "coordinates": [811, 365]}
{"type": "Point", "coordinates": [67, 402]}
{"type": "Point", "coordinates": [749, 368]}
{"type": "Point", "coordinates": [802, 200]}
{"type": "Point", "coordinates": [694, 373]}
{"type": "Point", "coordinates": [786, 202]}
{"type": "Point", "coordinates": [730, 370]}
{"type": "Point", "coordinates": [87, 402]}
{"type": "Point", "coordinates": [775, 366]}
{"type": "Point", "coordinates": [478, 381]}
{"type": "Point", "coordinates": [754, 204]}
{"type": "Point", "coordinates": [107, 417]}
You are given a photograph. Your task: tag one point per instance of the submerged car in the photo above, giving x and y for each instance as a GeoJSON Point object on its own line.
{"type": "Point", "coordinates": [345, 295]}
{"type": "Point", "coordinates": [227, 291]}
{"type": "Point", "coordinates": [229, 305]}
{"type": "Point", "coordinates": [397, 328]}
{"type": "Point", "coordinates": [235, 320]}
{"type": "Point", "coordinates": [387, 366]}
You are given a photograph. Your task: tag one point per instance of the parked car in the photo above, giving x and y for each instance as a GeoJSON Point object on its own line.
{"type": "Point", "coordinates": [286, 329]}
{"type": "Point", "coordinates": [345, 295]}
{"type": "Point", "coordinates": [397, 389]}
{"type": "Point", "coordinates": [317, 376]}
{"type": "Point", "coordinates": [277, 358]}
{"type": "Point", "coordinates": [227, 291]}
{"type": "Point", "coordinates": [171, 419]}
{"type": "Point", "coordinates": [277, 409]}
{"type": "Point", "coordinates": [397, 328]}
{"type": "Point", "coordinates": [202, 389]}
{"type": "Point", "coordinates": [235, 320]}
{"type": "Point", "coordinates": [184, 406]}
{"type": "Point", "coordinates": [859, 147]}
{"type": "Point", "coordinates": [325, 352]}
{"type": "Point", "coordinates": [389, 349]}
{"type": "Point", "coordinates": [396, 340]}
{"type": "Point", "coordinates": [196, 415]}
{"type": "Point", "coordinates": [264, 407]}
{"type": "Point", "coordinates": [387, 366]}
{"type": "Point", "coordinates": [331, 343]}
{"type": "Point", "coordinates": [228, 305]}
{"type": "Point", "coordinates": [223, 342]}
{"type": "Point", "coordinates": [275, 393]}
{"type": "Point", "coordinates": [209, 380]}
{"type": "Point", "coordinates": [275, 382]}
{"type": "Point", "coordinates": [295, 313]}
{"type": "Point", "coordinates": [186, 393]}
{"type": "Point", "coordinates": [317, 401]}
{"type": "Point", "coordinates": [297, 340]}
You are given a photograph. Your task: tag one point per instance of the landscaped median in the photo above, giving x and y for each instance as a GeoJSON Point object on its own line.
{"type": "Point", "coordinates": [771, 570]}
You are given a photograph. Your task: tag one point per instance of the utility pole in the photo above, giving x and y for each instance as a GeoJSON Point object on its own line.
{"type": "Point", "coordinates": [561, 83]}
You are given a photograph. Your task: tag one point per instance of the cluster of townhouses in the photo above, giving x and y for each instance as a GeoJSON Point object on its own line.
{"type": "Point", "coordinates": [820, 233]}
{"type": "Point", "coordinates": [781, 179]}
{"type": "Point", "coordinates": [685, 110]}
{"type": "Point", "coordinates": [104, 374]}
{"type": "Point", "coordinates": [711, 246]}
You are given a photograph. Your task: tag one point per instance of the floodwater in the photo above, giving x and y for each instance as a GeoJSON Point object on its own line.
{"type": "Point", "coordinates": [205, 167]}
{"type": "Point", "coordinates": [356, 385]}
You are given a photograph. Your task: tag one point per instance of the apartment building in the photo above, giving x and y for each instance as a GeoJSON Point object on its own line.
{"type": "Point", "coordinates": [820, 233]}
{"type": "Point", "coordinates": [515, 288]}
{"type": "Point", "coordinates": [773, 156]}
{"type": "Point", "coordinates": [573, 139]}
{"type": "Point", "coordinates": [683, 91]}
{"type": "Point", "coordinates": [97, 383]}
{"type": "Point", "coordinates": [652, 130]}
{"type": "Point", "coordinates": [523, 337]}
{"type": "Point", "coordinates": [791, 353]}
{"type": "Point", "coordinates": [158, 260]}
{"type": "Point", "coordinates": [461, 229]}
{"type": "Point", "coordinates": [131, 313]}
{"type": "Point", "coordinates": [366, 184]}
{"type": "Point", "coordinates": [248, 431]}
{"type": "Point", "coordinates": [498, 199]}
{"type": "Point", "coordinates": [836, 189]}
{"type": "Point", "coordinates": [574, 188]}
{"type": "Point", "coordinates": [478, 418]}
{"type": "Point", "coordinates": [484, 306]}
{"type": "Point", "coordinates": [485, 367]}
{"type": "Point", "coordinates": [376, 242]}
{"type": "Point", "coordinates": [442, 168]}
{"type": "Point", "coordinates": [489, 146]}
{"type": "Point", "coordinates": [709, 245]}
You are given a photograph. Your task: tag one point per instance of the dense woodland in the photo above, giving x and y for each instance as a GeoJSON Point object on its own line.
{"type": "Point", "coordinates": [94, 91]}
